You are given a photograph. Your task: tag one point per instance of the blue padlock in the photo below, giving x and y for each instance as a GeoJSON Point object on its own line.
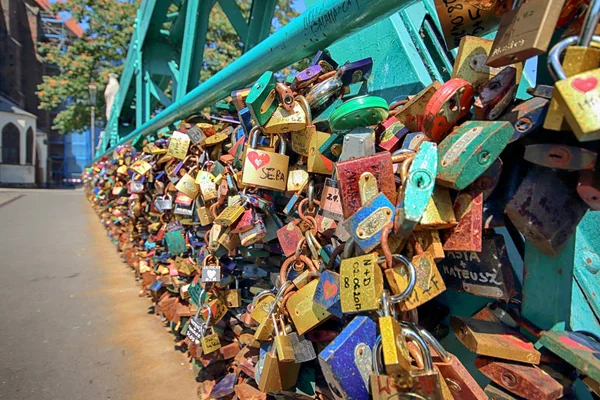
{"type": "Point", "coordinates": [367, 223]}
{"type": "Point", "coordinates": [347, 362]}
{"type": "Point", "coordinates": [327, 293]}
{"type": "Point", "coordinates": [245, 120]}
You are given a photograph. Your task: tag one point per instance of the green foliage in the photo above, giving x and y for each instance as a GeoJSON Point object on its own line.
{"type": "Point", "coordinates": [100, 51]}
{"type": "Point", "coordinates": [103, 49]}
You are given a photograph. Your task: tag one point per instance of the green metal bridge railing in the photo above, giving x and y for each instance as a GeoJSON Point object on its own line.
{"type": "Point", "coordinates": [317, 28]}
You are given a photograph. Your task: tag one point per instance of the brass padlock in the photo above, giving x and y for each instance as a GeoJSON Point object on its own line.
{"type": "Point", "coordinates": [282, 341]}
{"type": "Point", "coordinates": [577, 96]}
{"type": "Point", "coordinates": [265, 169]}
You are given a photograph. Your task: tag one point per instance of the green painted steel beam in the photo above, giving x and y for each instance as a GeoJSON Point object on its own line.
{"type": "Point", "coordinates": [317, 28]}
{"type": "Point", "coordinates": [259, 24]}
{"type": "Point", "coordinates": [234, 14]}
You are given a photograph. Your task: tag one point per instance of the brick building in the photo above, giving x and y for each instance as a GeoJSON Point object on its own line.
{"type": "Point", "coordinates": [32, 154]}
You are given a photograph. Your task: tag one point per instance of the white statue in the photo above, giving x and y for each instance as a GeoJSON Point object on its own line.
{"type": "Point", "coordinates": [100, 140]}
{"type": "Point", "coordinates": [110, 93]}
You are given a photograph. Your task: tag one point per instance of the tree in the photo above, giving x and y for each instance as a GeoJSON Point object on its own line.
{"type": "Point", "coordinates": [103, 48]}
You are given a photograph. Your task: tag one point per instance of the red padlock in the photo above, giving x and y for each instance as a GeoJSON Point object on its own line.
{"type": "Point", "coordinates": [447, 107]}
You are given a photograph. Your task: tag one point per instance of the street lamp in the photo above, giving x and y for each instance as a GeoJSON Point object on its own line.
{"type": "Point", "coordinates": [92, 91]}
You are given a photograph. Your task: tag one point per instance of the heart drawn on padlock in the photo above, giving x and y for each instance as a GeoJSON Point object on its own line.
{"type": "Point", "coordinates": [211, 274]}
{"type": "Point", "coordinates": [584, 85]}
{"type": "Point", "coordinates": [329, 289]}
{"type": "Point", "coordinates": [258, 160]}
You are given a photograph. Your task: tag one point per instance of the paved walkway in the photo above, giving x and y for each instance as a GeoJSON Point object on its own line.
{"type": "Point", "coordinates": [72, 325]}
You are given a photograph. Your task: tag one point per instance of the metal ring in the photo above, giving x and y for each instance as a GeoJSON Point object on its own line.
{"type": "Point", "coordinates": [377, 350]}
{"type": "Point", "coordinates": [412, 277]}
{"type": "Point", "coordinates": [418, 340]}
{"type": "Point", "coordinates": [592, 16]}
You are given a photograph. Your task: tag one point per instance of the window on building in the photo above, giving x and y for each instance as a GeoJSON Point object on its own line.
{"type": "Point", "coordinates": [29, 154]}
{"type": "Point", "coordinates": [10, 144]}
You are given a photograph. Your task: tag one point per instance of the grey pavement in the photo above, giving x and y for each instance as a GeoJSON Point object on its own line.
{"type": "Point", "coordinates": [72, 325]}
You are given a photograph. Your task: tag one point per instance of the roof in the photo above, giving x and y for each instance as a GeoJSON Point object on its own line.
{"type": "Point", "coordinates": [70, 23]}
{"type": "Point", "coordinates": [9, 107]}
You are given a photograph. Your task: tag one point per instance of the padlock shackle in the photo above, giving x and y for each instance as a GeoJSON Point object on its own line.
{"type": "Point", "coordinates": [554, 64]}
{"type": "Point", "coordinates": [592, 17]}
{"type": "Point", "coordinates": [413, 336]}
{"type": "Point", "coordinates": [306, 107]}
{"type": "Point", "coordinates": [412, 277]}
{"type": "Point", "coordinates": [433, 342]}
{"type": "Point", "coordinates": [377, 356]}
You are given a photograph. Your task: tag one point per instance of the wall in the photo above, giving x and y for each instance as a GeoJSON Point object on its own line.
{"type": "Point", "coordinates": [17, 174]}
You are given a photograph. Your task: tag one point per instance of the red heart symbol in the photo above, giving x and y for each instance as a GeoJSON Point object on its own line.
{"type": "Point", "coordinates": [258, 160]}
{"type": "Point", "coordinates": [329, 289]}
{"type": "Point", "coordinates": [584, 85]}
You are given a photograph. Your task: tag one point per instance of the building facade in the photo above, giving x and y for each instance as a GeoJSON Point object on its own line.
{"type": "Point", "coordinates": [31, 153]}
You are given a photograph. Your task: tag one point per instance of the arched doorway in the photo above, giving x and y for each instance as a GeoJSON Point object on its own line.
{"type": "Point", "coordinates": [11, 144]}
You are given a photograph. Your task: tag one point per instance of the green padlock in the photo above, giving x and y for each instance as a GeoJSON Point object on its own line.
{"type": "Point", "coordinates": [469, 150]}
{"type": "Point", "coordinates": [417, 188]}
{"type": "Point", "coordinates": [360, 111]}
{"type": "Point", "coordinates": [262, 100]}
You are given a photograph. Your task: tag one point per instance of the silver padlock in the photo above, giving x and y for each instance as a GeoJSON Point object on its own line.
{"type": "Point", "coordinates": [359, 142]}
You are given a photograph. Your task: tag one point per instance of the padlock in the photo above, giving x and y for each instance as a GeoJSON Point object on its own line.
{"type": "Point", "coordinates": [487, 273]}
{"type": "Point", "coordinates": [546, 209]}
{"type": "Point", "coordinates": [233, 297]}
{"type": "Point", "coordinates": [262, 101]}
{"type": "Point", "coordinates": [304, 313]}
{"type": "Point", "coordinates": [346, 362]}
{"type": "Point", "coordinates": [238, 98]}
{"type": "Point", "coordinates": [211, 273]}
{"type": "Point", "coordinates": [496, 95]}
{"type": "Point", "coordinates": [361, 283]}
{"type": "Point", "coordinates": [390, 134]}
{"type": "Point", "coordinates": [578, 59]}
{"type": "Point", "coordinates": [525, 32]}
{"type": "Point", "coordinates": [495, 340]}
{"type": "Point", "coordinates": [283, 121]}
{"type": "Point", "coordinates": [179, 144]}
{"type": "Point", "coordinates": [447, 107]}
{"type": "Point", "coordinates": [264, 169]}
{"type": "Point", "coordinates": [286, 96]}
{"type": "Point", "coordinates": [254, 234]}
{"type": "Point", "coordinates": [306, 77]}
{"type": "Point", "coordinates": [526, 381]}
{"type": "Point", "coordinates": [418, 182]}
{"type": "Point", "coordinates": [289, 236]}
{"type": "Point", "coordinates": [431, 243]}
{"type": "Point", "coordinates": [466, 235]}
{"type": "Point", "coordinates": [230, 214]}
{"type": "Point", "coordinates": [359, 142]}
{"type": "Point", "coordinates": [458, 20]}
{"type": "Point", "coordinates": [187, 185]}
{"type": "Point", "coordinates": [206, 184]}
{"type": "Point", "coordinates": [559, 156]}
{"type": "Point", "coordinates": [588, 188]}
{"type": "Point", "coordinates": [471, 63]}
{"type": "Point", "coordinates": [356, 71]}
{"type": "Point", "coordinates": [366, 224]}
{"type": "Point", "coordinates": [136, 186]}
{"type": "Point", "coordinates": [411, 114]}
{"type": "Point", "coordinates": [349, 172]}
{"type": "Point", "coordinates": [210, 343]}
{"type": "Point", "coordinates": [360, 111]}
{"type": "Point", "coordinates": [331, 203]}
{"type": "Point", "coordinates": [324, 60]}
{"type": "Point", "coordinates": [439, 213]}
{"type": "Point", "coordinates": [396, 358]}
{"type": "Point", "coordinates": [317, 163]}
{"type": "Point", "coordinates": [140, 167]}
{"type": "Point", "coordinates": [460, 382]}
{"type": "Point", "coordinates": [270, 376]}
{"type": "Point", "coordinates": [426, 382]}
{"type": "Point", "coordinates": [164, 203]}
{"type": "Point", "coordinates": [577, 96]}
{"type": "Point", "coordinates": [281, 340]}
{"type": "Point", "coordinates": [468, 151]}
{"type": "Point", "coordinates": [196, 328]}
{"type": "Point", "coordinates": [428, 282]}
{"type": "Point", "coordinates": [175, 242]}
{"type": "Point", "coordinates": [526, 117]}
{"type": "Point", "coordinates": [321, 93]}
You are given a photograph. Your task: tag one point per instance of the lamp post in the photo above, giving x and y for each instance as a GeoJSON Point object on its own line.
{"type": "Point", "coordinates": [92, 91]}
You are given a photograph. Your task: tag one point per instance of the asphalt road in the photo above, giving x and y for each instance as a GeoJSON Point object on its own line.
{"type": "Point", "coordinates": [71, 323]}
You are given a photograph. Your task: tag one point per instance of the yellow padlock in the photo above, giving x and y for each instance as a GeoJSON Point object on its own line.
{"type": "Point", "coordinates": [265, 169]}
{"type": "Point", "coordinates": [577, 96]}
